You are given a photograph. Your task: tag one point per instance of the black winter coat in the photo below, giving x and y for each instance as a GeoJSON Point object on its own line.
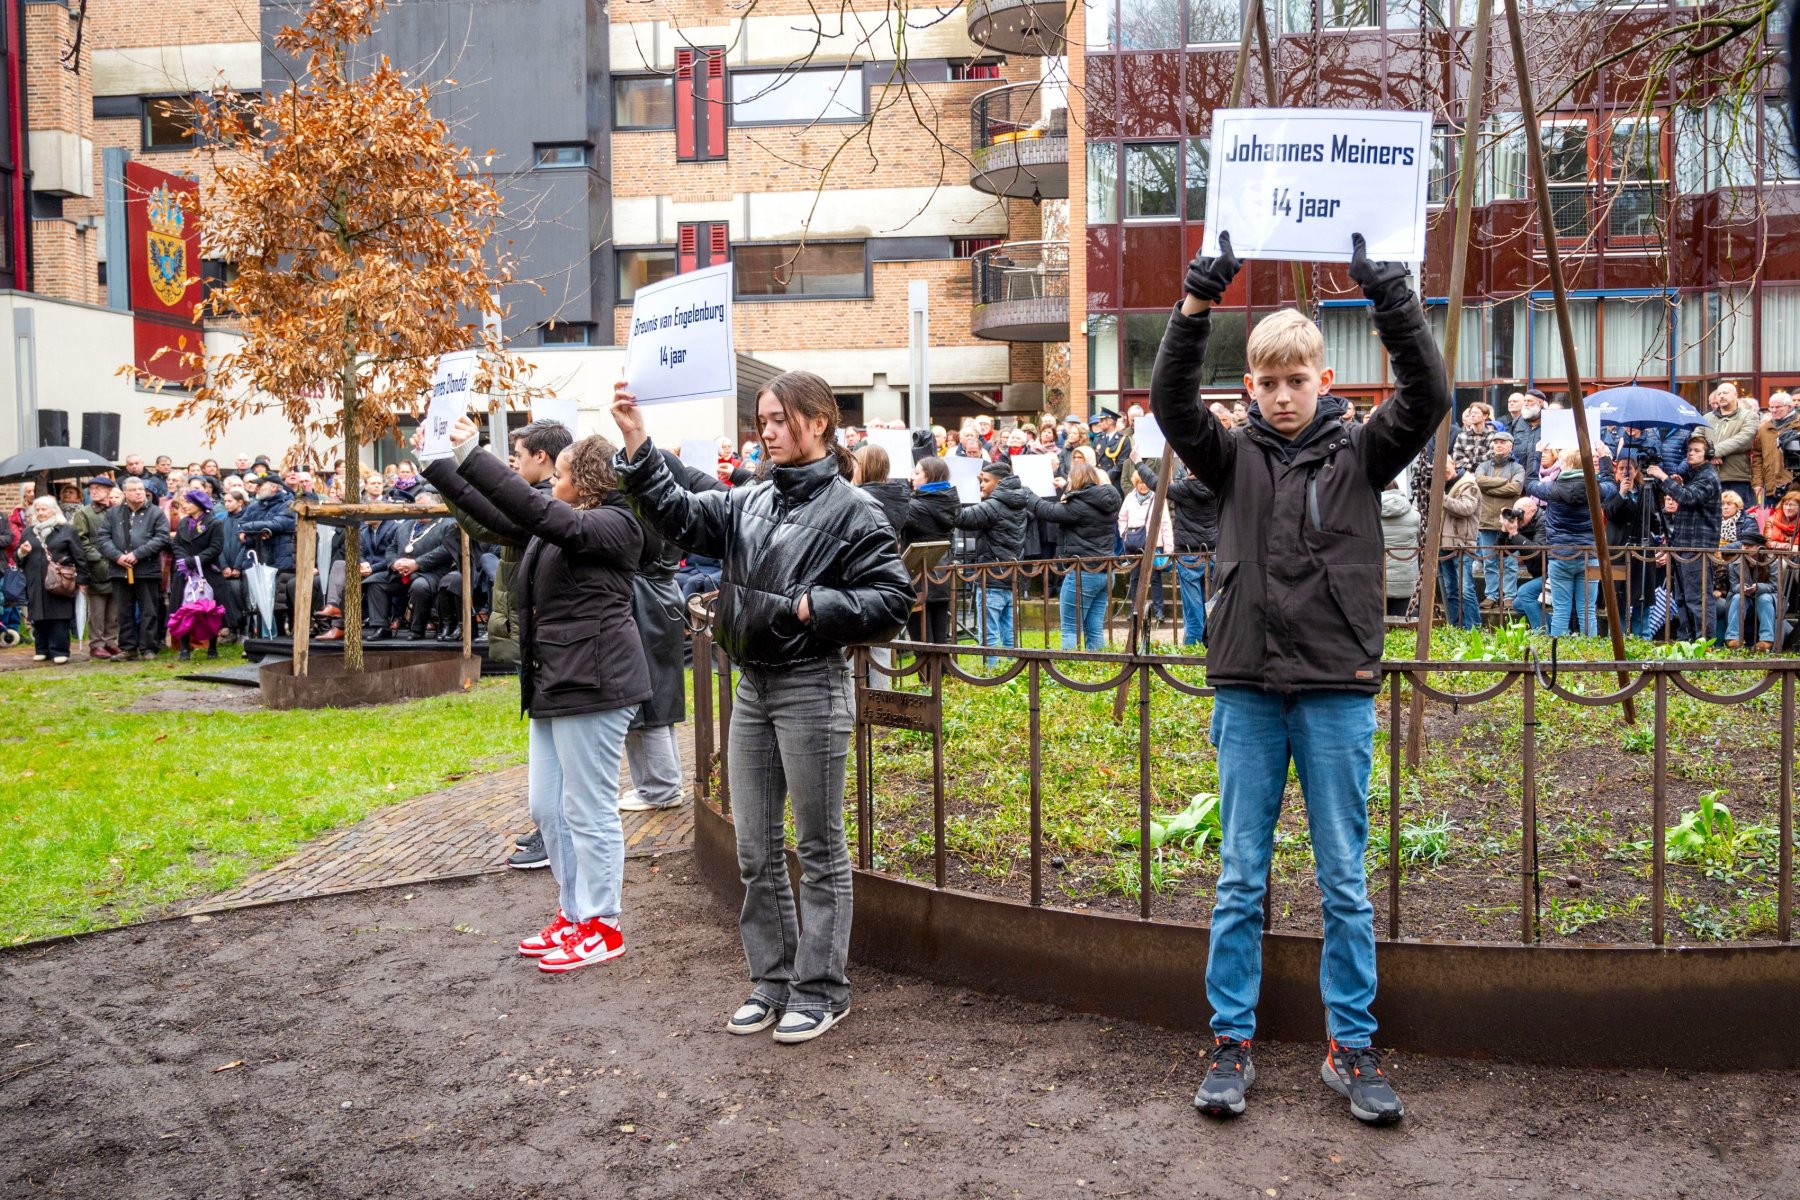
{"type": "Point", "coordinates": [1000, 522]}
{"type": "Point", "coordinates": [1193, 508]}
{"type": "Point", "coordinates": [63, 546]}
{"type": "Point", "coordinates": [144, 533]}
{"type": "Point", "coordinates": [802, 531]}
{"type": "Point", "coordinates": [894, 496]}
{"type": "Point", "coordinates": [267, 529]}
{"type": "Point", "coordinates": [1088, 519]}
{"type": "Point", "coordinates": [930, 517]}
{"type": "Point", "coordinates": [1301, 583]}
{"type": "Point", "coordinates": [579, 650]}
{"type": "Point", "coordinates": [206, 543]}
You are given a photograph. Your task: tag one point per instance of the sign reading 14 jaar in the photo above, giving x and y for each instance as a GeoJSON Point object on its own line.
{"type": "Point", "coordinates": [1295, 183]}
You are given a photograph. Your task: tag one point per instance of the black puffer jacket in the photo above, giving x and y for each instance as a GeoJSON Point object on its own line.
{"type": "Point", "coordinates": [930, 516]}
{"type": "Point", "coordinates": [805, 530]}
{"type": "Point", "coordinates": [1088, 518]}
{"type": "Point", "coordinates": [1000, 522]}
{"type": "Point", "coordinates": [893, 495]}
{"type": "Point", "coordinates": [1193, 508]}
{"type": "Point", "coordinates": [1301, 579]}
{"type": "Point", "coordinates": [578, 645]}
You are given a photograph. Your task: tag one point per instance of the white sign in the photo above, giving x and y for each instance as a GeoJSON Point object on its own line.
{"type": "Point", "coordinates": [965, 476]}
{"type": "Point", "coordinates": [898, 444]}
{"type": "Point", "coordinates": [1147, 436]}
{"type": "Point", "coordinates": [563, 410]}
{"type": "Point", "coordinates": [701, 454]}
{"type": "Point", "coordinates": [1036, 471]}
{"type": "Point", "coordinates": [451, 386]}
{"type": "Point", "coordinates": [1556, 427]}
{"type": "Point", "coordinates": [1295, 183]}
{"type": "Point", "coordinates": [681, 346]}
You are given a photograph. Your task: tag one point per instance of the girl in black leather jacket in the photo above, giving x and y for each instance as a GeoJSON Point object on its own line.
{"type": "Point", "coordinates": [810, 566]}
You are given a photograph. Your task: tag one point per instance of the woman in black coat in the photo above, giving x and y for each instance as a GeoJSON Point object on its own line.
{"type": "Point", "coordinates": [1087, 516]}
{"type": "Point", "coordinates": [49, 538]}
{"type": "Point", "coordinates": [931, 517]}
{"type": "Point", "coordinates": [582, 674]}
{"type": "Point", "coordinates": [872, 476]}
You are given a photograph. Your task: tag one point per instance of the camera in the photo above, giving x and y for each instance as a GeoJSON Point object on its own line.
{"type": "Point", "coordinates": [1512, 514]}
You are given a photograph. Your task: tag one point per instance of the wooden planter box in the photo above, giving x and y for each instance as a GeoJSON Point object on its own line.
{"type": "Point", "coordinates": [386, 677]}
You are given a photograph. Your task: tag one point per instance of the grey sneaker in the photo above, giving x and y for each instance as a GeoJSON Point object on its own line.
{"type": "Point", "coordinates": [528, 852]}
{"type": "Point", "coordinates": [753, 1016]}
{"type": "Point", "coordinates": [1229, 1074]}
{"type": "Point", "coordinates": [803, 1025]}
{"type": "Point", "coordinates": [1354, 1072]}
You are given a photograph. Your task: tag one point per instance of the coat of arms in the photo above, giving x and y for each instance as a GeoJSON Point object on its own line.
{"type": "Point", "coordinates": [168, 249]}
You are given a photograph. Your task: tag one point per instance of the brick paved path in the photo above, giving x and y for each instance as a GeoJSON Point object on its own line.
{"type": "Point", "coordinates": [465, 829]}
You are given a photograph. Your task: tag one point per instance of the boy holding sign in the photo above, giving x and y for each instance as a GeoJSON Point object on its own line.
{"type": "Point", "coordinates": [1294, 640]}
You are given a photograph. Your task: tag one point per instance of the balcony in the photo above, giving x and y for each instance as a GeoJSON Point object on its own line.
{"type": "Point", "coordinates": [1021, 292]}
{"type": "Point", "coordinates": [1031, 27]}
{"type": "Point", "coordinates": [1016, 149]}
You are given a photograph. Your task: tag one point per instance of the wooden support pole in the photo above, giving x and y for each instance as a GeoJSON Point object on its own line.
{"type": "Point", "coordinates": [1459, 270]}
{"type": "Point", "coordinates": [306, 552]}
{"type": "Point", "coordinates": [468, 596]}
{"type": "Point", "coordinates": [1534, 149]}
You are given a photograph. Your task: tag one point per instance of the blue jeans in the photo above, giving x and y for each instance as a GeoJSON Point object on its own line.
{"type": "Point", "coordinates": [1732, 618]}
{"type": "Point", "coordinates": [1083, 608]}
{"type": "Point", "coordinates": [1456, 583]}
{"type": "Point", "coordinates": [1566, 575]}
{"type": "Point", "coordinates": [1330, 738]}
{"type": "Point", "coordinates": [996, 618]}
{"type": "Point", "coordinates": [1492, 558]}
{"type": "Point", "coordinates": [1190, 575]}
{"type": "Point", "coordinates": [573, 787]}
{"type": "Point", "coordinates": [1528, 602]}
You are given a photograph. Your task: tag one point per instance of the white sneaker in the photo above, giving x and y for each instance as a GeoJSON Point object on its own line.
{"type": "Point", "coordinates": [753, 1016]}
{"type": "Point", "coordinates": [40, 658]}
{"type": "Point", "coordinates": [803, 1025]}
{"type": "Point", "coordinates": [59, 660]}
{"type": "Point", "coordinates": [632, 802]}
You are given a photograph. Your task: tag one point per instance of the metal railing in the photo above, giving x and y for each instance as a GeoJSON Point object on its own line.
{"type": "Point", "coordinates": [1012, 114]}
{"type": "Point", "coordinates": [1020, 271]}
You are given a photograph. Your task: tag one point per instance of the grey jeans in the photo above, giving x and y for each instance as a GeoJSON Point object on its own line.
{"type": "Point", "coordinates": [790, 736]}
{"type": "Point", "coordinates": [654, 756]}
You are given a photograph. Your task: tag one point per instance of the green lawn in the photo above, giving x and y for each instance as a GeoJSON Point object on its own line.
{"type": "Point", "coordinates": [110, 816]}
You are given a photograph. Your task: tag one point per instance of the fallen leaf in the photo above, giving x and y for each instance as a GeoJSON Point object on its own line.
{"type": "Point", "coordinates": [233, 1065]}
{"type": "Point", "coordinates": [161, 737]}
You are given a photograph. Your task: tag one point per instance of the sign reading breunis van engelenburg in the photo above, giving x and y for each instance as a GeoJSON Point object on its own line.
{"type": "Point", "coordinates": [680, 346]}
{"type": "Point", "coordinates": [1295, 183]}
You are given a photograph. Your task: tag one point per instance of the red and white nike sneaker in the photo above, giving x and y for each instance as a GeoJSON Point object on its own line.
{"type": "Point", "coordinates": [549, 938]}
{"type": "Point", "coordinates": [591, 941]}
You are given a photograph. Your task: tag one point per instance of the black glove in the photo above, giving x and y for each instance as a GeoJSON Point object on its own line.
{"type": "Point", "coordinates": [1382, 282]}
{"type": "Point", "coordinates": [1207, 278]}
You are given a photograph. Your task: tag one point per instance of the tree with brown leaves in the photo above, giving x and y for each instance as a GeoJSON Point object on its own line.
{"type": "Point", "coordinates": [358, 229]}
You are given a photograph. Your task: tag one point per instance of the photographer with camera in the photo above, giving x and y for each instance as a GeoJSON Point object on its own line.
{"type": "Point", "coordinates": [1521, 541]}
{"type": "Point", "coordinates": [1634, 518]}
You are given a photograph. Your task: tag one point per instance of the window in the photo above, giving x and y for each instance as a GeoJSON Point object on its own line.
{"type": "Point", "coordinates": [960, 71]}
{"type": "Point", "coordinates": [1546, 342]}
{"type": "Point", "coordinates": [1151, 180]}
{"type": "Point", "coordinates": [561, 155]}
{"type": "Point", "coordinates": [968, 247]}
{"type": "Point", "coordinates": [1780, 164]}
{"type": "Point", "coordinates": [1102, 183]}
{"type": "Point", "coordinates": [1636, 332]}
{"type": "Point", "coordinates": [1349, 14]}
{"type": "Point", "coordinates": [644, 102]}
{"type": "Point", "coordinates": [797, 97]}
{"type": "Point", "coordinates": [1471, 349]}
{"type": "Point", "coordinates": [1441, 184]}
{"type": "Point", "coordinates": [1100, 29]}
{"type": "Point", "coordinates": [641, 268]}
{"type": "Point", "coordinates": [700, 245]}
{"type": "Point", "coordinates": [1103, 353]}
{"type": "Point", "coordinates": [1635, 177]}
{"type": "Point", "coordinates": [700, 104]}
{"type": "Point", "coordinates": [1296, 16]}
{"type": "Point", "coordinates": [814, 270]}
{"type": "Point", "coordinates": [567, 333]}
{"type": "Point", "coordinates": [1149, 25]}
{"type": "Point", "coordinates": [215, 274]}
{"type": "Point", "coordinates": [168, 124]}
{"type": "Point", "coordinates": [1143, 337]}
{"type": "Point", "coordinates": [1199, 167]}
{"type": "Point", "coordinates": [1780, 328]}
{"type": "Point", "coordinates": [1351, 347]}
{"type": "Point", "coordinates": [1411, 14]}
{"type": "Point", "coordinates": [1213, 22]}
{"type": "Point", "coordinates": [1503, 169]}
{"type": "Point", "coordinates": [1566, 168]}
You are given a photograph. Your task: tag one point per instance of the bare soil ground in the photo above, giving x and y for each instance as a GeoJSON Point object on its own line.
{"type": "Point", "coordinates": [392, 1044]}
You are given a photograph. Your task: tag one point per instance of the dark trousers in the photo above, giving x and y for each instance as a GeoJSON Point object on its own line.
{"type": "Point", "coordinates": [390, 596]}
{"type": "Point", "coordinates": [1690, 595]}
{"type": "Point", "coordinates": [141, 616]}
{"type": "Point", "coordinates": [284, 600]}
{"type": "Point", "coordinates": [933, 624]}
{"type": "Point", "coordinates": [51, 638]}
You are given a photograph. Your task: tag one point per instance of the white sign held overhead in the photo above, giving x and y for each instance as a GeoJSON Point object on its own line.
{"type": "Point", "coordinates": [451, 386]}
{"type": "Point", "coordinates": [1295, 183]}
{"type": "Point", "coordinates": [681, 346]}
{"type": "Point", "coordinates": [1036, 471]}
{"type": "Point", "coordinates": [1557, 428]}
{"type": "Point", "coordinates": [898, 444]}
{"type": "Point", "coordinates": [965, 476]}
{"type": "Point", "coordinates": [1147, 438]}
{"type": "Point", "coordinates": [564, 410]}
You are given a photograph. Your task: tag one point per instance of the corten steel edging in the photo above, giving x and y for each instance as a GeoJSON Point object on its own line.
{"type": "Point", "coordinates": [387, 677]}
{"type": "Point", "coordinates": [1593, 1006]}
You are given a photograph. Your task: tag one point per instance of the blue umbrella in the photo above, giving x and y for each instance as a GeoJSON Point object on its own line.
{"type": "Point", "coordinates": [1635, 406]}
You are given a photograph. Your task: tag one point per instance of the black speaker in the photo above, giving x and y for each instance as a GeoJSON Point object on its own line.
{"type": "Point", "coordinates": [53, 427]}
{"type": "Point", "coordinates": [100, 434]}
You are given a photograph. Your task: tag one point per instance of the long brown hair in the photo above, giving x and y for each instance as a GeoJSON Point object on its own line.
{"type": "Point", "coordinates": [875, 464]}
{"type": "Point", "coordinates": [1083, 474]}
{"type": "Point", "coordinates": [805, 397]}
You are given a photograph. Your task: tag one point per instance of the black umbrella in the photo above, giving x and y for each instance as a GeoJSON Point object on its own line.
{"type": "Point", "coordinates": [27, 463]}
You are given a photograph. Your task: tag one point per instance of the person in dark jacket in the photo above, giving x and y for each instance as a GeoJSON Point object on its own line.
{"type": "Point", "coordinates": [266, 529]}
{"type": "Point", "coordinates": [1196, 515]}
{"type": "Point", "coordinates": [374, 551]}
{"type": "Point", "coordinates": [49, 538]}
{"type": "Point", "coordinates": [582, 674]}
{"type": "Point", "coordinates": [133, 540]}
{"type": "Point", "coordinates": [931, 517]}
{"type": "Point", "coordinates": [233, 562]}
{"type": "Point", "coordinates": [1295, 639]}
{"type": "Point", "coordinates": [1691, 508]}
{"type": "Point", "coordinates": [425, 549]}
{"type": "Point", "coordinates": [1569, 532]}
{"type": "Point", "coordinates": [1086, 518]}
{"type": "Point", "coordinates": [1634, 522]}
{"type": "Point", "coordinates": [1000, 521]}
{"type": "Point", "coordinates": [197, 548]}
{"type": "Point", "coordinates": [873, 476]}
{"type": "Point", "coordinates": [102, 605]}
{"type": "Point", "coordinates": [809, 567]}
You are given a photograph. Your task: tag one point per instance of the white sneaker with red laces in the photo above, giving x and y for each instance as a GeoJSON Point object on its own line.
{"type": "Point", "coordinates": [592, 941]}
{"type": "Point", "coordinates": [549, 938]}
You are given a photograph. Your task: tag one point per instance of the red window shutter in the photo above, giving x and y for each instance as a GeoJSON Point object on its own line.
{"type": "Point", "coordinates": [684, 106]}
{"type": "Point", "coordinates": [721, 245]}
{"type": "Point", "coordinates": [686, 258]}
{"type": "Point", "coordinates": [715, 96]}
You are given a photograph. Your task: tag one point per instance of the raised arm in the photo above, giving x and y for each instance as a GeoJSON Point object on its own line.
{"type": "Point", "coordinates": [699, 523]}
{"type": "Point", "coordinates": [1400, 427]}
{"type": "Point", "coordinates": [592, 531]}
{"type": "Point", "coordinates": [1191, 430]}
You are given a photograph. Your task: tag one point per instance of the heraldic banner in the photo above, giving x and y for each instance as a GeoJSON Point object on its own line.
{"type": "Point", "coordinates": [162, 231]}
